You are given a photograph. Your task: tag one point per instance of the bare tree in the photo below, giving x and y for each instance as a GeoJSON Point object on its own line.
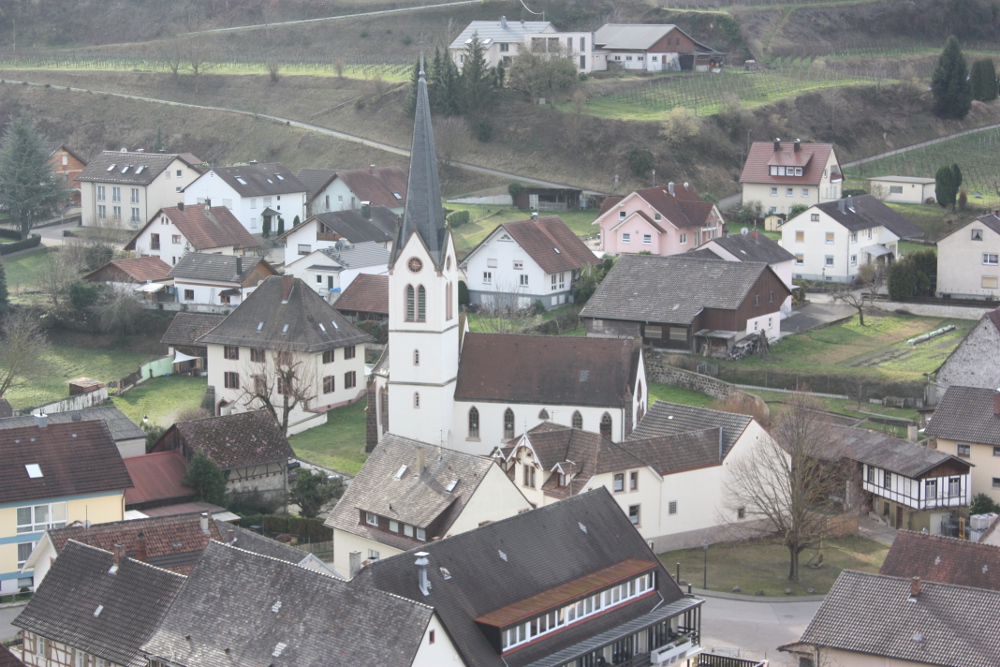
{"type": "Point", "coordinates": [200, 58]}
{"type": "Point", "coordinates": [879, 191]}
{"type": "Point", "coordinates": [118, 310]}
{"type": "Point", "coordinates": [871, 276]}
{"type": "Point", "coordinates": [283, 381]}
{"type": "Point", "coordinates": [58, 272]}
{"type": "Point", "coordinates": [785, 483]}
{"type": "Point", "coordinates": [504, 310]}
{"type": "Point", "coordinates": [24, 343]}
{"type": "Point", "coordinates": [171, 54]}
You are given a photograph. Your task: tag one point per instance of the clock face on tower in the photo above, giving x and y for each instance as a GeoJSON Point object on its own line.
{"type": "Point", "coordinates": [415, 264]}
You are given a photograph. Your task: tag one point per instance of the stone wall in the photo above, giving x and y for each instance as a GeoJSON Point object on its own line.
{"type": "Point", "coordinates": [658, 371]}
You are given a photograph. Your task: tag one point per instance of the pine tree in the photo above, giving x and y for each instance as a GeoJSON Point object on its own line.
{"type": "Point", "coordinates": [449, 88]}
{"type": "Point", "coordinates": [984, 80]}
{"type": "Point", "coordinates": [30, 191]}
{"type": "Point", "coordinates": [956, 176]}
{"type": "Point", "coordinates": [477, 86]}
{"type": "Point", "coordinates": [158, 146]}
{"type": "Point", "coordinates": [434, 77]}
{"type": "Point", "coordinates": [949, 84]}
{"type": "Point", "coordinates": [296, 221]}
{"type": "Point", "coordinates": [281, 226]}
{"type": "Point", "coordinates": [410, 104]}
{"type": "Point", "coordinates": [4, 298]}
{"type": "Point", "coordinates": [267, 227]}
{"type": "Point", "coordinates": [945, 188]}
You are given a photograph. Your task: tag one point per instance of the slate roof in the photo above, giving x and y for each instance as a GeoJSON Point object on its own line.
{"type": "Point", "coordinates": [157, 476]}
{"type": "Point", "coordinates": [668, 419]}
{"type": "Point", "coordinates": [355, 227]}
{"type": "Point", "coordinates": [120, 426]}
{"type": "Point", "coordinates": [513, 368]}
{"type": "Point", "coordinates": [217, 268]}
{"type": "Point", "coordinates": [257, 543]}
{"type": "Point", "coordinates": [367, 293]}
{"type": "Point", "coordinates": [872, 614]}
{"type": "Point", "coordinates": [672, 289]}
{"type": "Point", "coordinates": [762, 155]}
{"type": "Point", "coordinates": [131, 168]}
{"type": "Point", "coordinates": [315, 179]}
{"type": "Point", "coordinates": [884, 451]}
{"type": "Point", "coordinates": [132, 601]}
{"type": "Point", "coordinates": [945, 560]}
{"type": "Point", "coordinates": [8, 659]}
{"type": "Point", "coordinates": [749, 249]}
{"type": "Point", "coordinates": [417, 500]}
{"type": "Point", "coordinates": [869, 212]}
{"type": "Point", "coordinates": [75, 458]}
{"type": "Point", "coordinates": [139, 269]}
{"type": "Point", "coordinates": [512, 31]}
{"type": "Point", "coordinates": [966, 414]}
{"type": "Point", "coordinates": [260, 180]}
{"type": "Point", "coordinates": [378, 186]}
{"type": "Point", "coordinates": [358, 255]}
{"type": "Point", "coordinates": [204, 228]}
{"type": "Point", "coordinates": [284, 313]}
{"type": "Point", "coordinates": [637, 36]}
{"type": "Point", "coordinates": [236, 440]}
{"type": "Point", "coordinates": [511, 560]}
{"type": "Point", "coordinates": [187, 328]}
{"type": "Point", "coordinates": [288, 617]}
{"type": "Point", "coordinates": [549, 242]}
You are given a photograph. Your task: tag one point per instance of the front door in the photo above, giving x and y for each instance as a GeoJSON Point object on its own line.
{"type": "Point", "coordinates": [899, 518]}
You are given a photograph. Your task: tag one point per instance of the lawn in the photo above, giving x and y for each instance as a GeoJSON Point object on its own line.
{"type": "Point", "coordinates": [162, 399]}
{"type": "Point", "coordinates": [339, 444]}
{"type": "Point", "coordinates": [763, 565]}
{"type": "Point", "coordinates": [484, 219]}
{"type": "Point", "coordinates": [671, 394]}
{"type": "Point", "coordinates": [23, 270]}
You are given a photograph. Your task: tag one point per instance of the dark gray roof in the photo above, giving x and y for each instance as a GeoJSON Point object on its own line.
{"type": "Point", "coordinates": [869, 212]}
{"type": "Point", "coordinates": [356, 228]}
{"type": "Point", "coordinates": [636, 36]}
{"type": "Point", "coordinates": [423, 214]}
{"type": "Point", "coordinates": [258, 544]}
{"type": "Point", "coordinates": [667, 419]}
{"type": "Point", "coordinates": [130, 168]}
{"type": "Point", "coordinates": [358, 255]}
{"type": "Point", "coordinates": [260, 180]}
{"type": "Point", "coordinates": [872, 614]}
{"type": "Point", "coordinates": [671, 289]}
{"type": "Point", "coordinates": [187, 328]}
{"type": "Point", "coordinates": [314, 179]}
{"type": "Point", "coordinates": [239, 608]}
{"type": "Point", "coordinates": [133, 601]}
{"type": "Point", "coordinates": [514, 559]}
{"type": "Point", "coordinates": [415, 500]}
{"type": "Point", "coordinates": [966, 414]}
{"type": "Point", "coordinates": [889, 453]}
{"type": "Point", "coordinates": [121, 427]}
{"type": "Point", "coordinates": [220, 268]}
{"type": "Point", "coordinates": [749, 249]}
{"type": "Point", "coordinates": [284, 313]}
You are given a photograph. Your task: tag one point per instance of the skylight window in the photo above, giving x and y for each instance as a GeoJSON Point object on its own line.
{"type": "Point", "coordinates": [451, 486]}
{"type": "Point", "coordinates": [270, 181]}
{"type": "Point", "coordinates": [397, 195]}
{"type": "Point", "coordinates": [276, 606]}
{"type": "Point", "coordinates": [321, 327]}
{"type": "Point", "coordinates": [557, 251]}
{"type": "Point", "coordinates": [239, 179]}
{"type": "Point", "coordinates": [97, 612]}
{"type": "Point", "coordinates": [502, 555]}
{"type": "Point", "coordinates": [582, 527]}
{"type": "Point", "coordinates": [34, 470]}
{"type": "Point", "coordinates": [140, 169]}
{"type": "Point", "coordinates": [278, 648]}
{"type": "Point", "coordinates": [334, 324]}
{"type": "Point", "coordinates": [112, 167]}
{"type": "Point", "coordinates": [279, 177]}
{"type": "Point", "coordinates": [400, 473]}
{"type": "Point", "coordinates": [446, 573]}
{"type": "Point", "coordinates": [260, 325]}
{"type": "Point", "coordinates": [284, 329]}
{"type": "Point", "coordinates": [126, 168]}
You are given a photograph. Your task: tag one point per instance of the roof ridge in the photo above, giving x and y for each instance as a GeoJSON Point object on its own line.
{"type": "Point", "coordinates": [923, 582]}
{"type": "Point", "coordinates": [278, 560]}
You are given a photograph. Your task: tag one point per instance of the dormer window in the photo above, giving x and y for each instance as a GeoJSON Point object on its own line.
{"type": "Point", "coordinates": [371, 519]}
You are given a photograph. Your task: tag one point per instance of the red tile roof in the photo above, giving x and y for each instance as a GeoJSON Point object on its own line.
{"type": "Point", "coordinates": [156, 477]}
{"type": "Point", "coordinates": [367, 293]}
{"type": "Point", "coordinates": [139, 269]}
{"type": "Point", "coordinates": [552, 244]}
{"type": "Point", "coordinates": [205, 228]}
{"type": "Point", "coordinates": [74, 458]}
{"type": "Point", "coordinates": [944, 560]}
{"type": "Point", "coordinates": [8, 659]}
{"type": "Point", "coordinates": [376, 185]}
{"type": "Point", "coordinates": [762, 155]}
{"type": "Point", "coordinates": [685, 208]}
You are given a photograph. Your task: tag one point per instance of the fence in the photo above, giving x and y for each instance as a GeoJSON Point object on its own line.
{"type": "Point", "coordinates": [322, 550]}
{"type": "Point", "coordinates": [495, 200]}
{"type": "Point", "coordinates": [148, 371]}
{"type": "Point", "coordinates": [709, 660]}
{"type": "Point", "coordinates": [77, 402]}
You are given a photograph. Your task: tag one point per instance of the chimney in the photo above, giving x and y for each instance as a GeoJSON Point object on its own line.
{"type": "Point", "coordinates": [914, 588]}
{"type": "Point", "coordinates": [374, 170]}
{"type": "Point", "coordinates": [204, 522]}
{"type": "Point", "coordinates": [753, 233]}
{"type": "Point", "coordinates": [840, 205]}
{"type": "Point", "coordinates": [208, 204]}
{"type": "Point", "coordinates": [503, 22]}
{"type": "Point", "coordinates": [239, 265]}
{"type": "Point", "coordinates": [797, 145]}
{"type": "Point", "coordinates": [41, 420]}
{"type": "Point", "coordinates": [355, 564]}
{"type": "Point", "coordinates": [180, 206]}
{"type": "Point", "coordinates": [850, 202]}
{"type": "Point", "coordinates": [140, 547]}
{"type": "Point", "coordinates": [420, 459]}
{"type": "Point", "coordinates": [670, 188]}
{"type": "Point", "coordinates": [230, 535]}
{"type": "Point", "coordinates": [687, 186]}
{"type": "Point", "coordinates": [119, 551]}
{"type": "Point", "coordinates": [422, 580]}
{"type": "Point", "coordinates": [911, 429]}
{"type": "Point", "coordinates": [287, 283]}
{"type": "Point", "coordinates": [366, 210]}
{"type": "Point", "coordinates": [534, 216]}
{"type": "Point", "coordinates": [777, 145]}
{"type": "Point", "coordinates": [996, 403]}
{"type": "Point", "coordinates": [720, 444]}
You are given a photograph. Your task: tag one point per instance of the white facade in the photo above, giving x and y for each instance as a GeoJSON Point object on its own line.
{"type": "Point", "coordinates": [937, 495]}
{"type": "Point", "coordinates": [902, 189]}
{"type": "Point", "coordinates": [338, 197]}
{"type": "Point", "coordinates": [825, 250]}
{"type": "Point", "coordinates": [327, 281]}
{"type": "Point", "coordinates": [131, 205]}
{"type": "Point", "coordinates": [210, 187]}
{"type": "Point", "coordinates": [968, 264]}
{"type": "Point", "coordinates": [203, 293]}
{"type": "Point", "coordinates": [499, 47]}
{"type": "Point", "coordinates": [163, 239]}
{"type": "Point", "coordinates": [781, 198]}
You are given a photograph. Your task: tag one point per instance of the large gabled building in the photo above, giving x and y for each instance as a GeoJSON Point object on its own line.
{"type": "Point", "coordinates": [783, 174]}
{"type": "Point", "coordinates": [253, 192]}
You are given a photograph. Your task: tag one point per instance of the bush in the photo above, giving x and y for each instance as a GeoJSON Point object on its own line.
{"type": "Point", "coordinates": [484, 130]}
{"type": "Point", "coordinates": [83, 295]}
{"type": "Point", "coordinates": [983, 504]}
{"type": "Point", "coordinates": [12, 234]}
{"type": "Point", "coordinates": [640, 161]}
{"type": "Point", "coordinates": [514, 190]}
{"type": "Point", "coordinates": [458, 218]}
{"type": "Point", "coordinates": [31, 242]}
{"type": "Point", "coordinates": [254, 502]}
{"type": "Point", "coordinates": [377, 330]}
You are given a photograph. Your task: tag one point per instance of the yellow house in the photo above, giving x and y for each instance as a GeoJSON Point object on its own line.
{"type": "Point", "coordinates": [53, 475]}
{"type": "Point", "coordinates": [966, 424]}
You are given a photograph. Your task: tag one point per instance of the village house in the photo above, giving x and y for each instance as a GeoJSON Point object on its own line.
{"type": "Point", "coordinates": [181, 339]}
{"type": "Point", "coordinates": [130, 273]}
{"type": "Point", "coordinates": [215, 283]}
{"type": "Point", "coordinates": [331, 270]}
{"type": "Point", "coordinates": [964, 365]}
{"type": "Point", "coordinates": [253, 193]}
{"type": "Point", "coordinates": [902, 189]}
{"type": "Point", "coordinates": [52, 475]}
{"type": "Point", "coordinates": [67, 165]}
{"type": "Point", "coordinates": [966, 424]}
{"type": "Point", "coordinates": [652, 47]}
{"type": "Point", "coordinates": [968, 264]}
{"type": "Point", "coordinates": [350, 189]}
{"type": "Point", "coordinates": [782, 175]}
{"type": "Point", "coordinates": [174, 232]}
{"type": "Point", "coordinates": [366, 298]}
{"type": "Point", "coordinates": [526, 262]}
{"type": "Point", "coordinates": [833, 240]}
{"type": "Point", "coordinates": [368, 224]}
{"type": "Point", "coordinates": [659, 221]}
{"type": "Point", "coordinates": [285, 345]}
{"type": "Point", "coordinates": [159, 482]}
{"type": "Point", "coordinates": [128, 437]}
{"type": "Point", "coordinates": [502, 40]}
{"type": "Point", "coordinates": [125, 189]}
{"type": "Point", "coordinates": [944, 560]}
{"type": "Point", "coordinates": [685, 303]}
{"type": "Point", "coordinates": [409, 493]}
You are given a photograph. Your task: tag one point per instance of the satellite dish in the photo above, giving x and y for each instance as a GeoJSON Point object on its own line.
{"type": "Point", "coordinates": [744, 231]}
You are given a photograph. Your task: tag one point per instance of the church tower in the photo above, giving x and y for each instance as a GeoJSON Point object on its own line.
{"type": "Point", "coordinates": [423, 299]}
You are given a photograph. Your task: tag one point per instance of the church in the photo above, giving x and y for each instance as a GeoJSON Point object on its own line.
{"type": "Point", "coordinates": [472, 392]}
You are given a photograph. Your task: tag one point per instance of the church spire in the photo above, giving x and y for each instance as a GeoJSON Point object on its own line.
{"type": "Point", "coordinates": [424, 214]}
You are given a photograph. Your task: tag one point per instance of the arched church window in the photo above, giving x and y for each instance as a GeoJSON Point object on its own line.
{"type": "Point", "coordinates": [606, 425]}
{"type": "Point", "coordinates": [421, 304]}
{"type": "Point", "coordinates": [410, 304]}
{"type": "Point", "coordinates": [473, 422]}
{"type": "Point", "coordinates": [544, 415]}
{"type": "Point", "coordinates": [508, 424]}
{"type": "Point", "coordinates": [577, 419]}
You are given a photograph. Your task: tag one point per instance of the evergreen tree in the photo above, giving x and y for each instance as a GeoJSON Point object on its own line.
{"type": "Point", "coordinates": [984, 80]}
{"type": "Point", "coordinates": [312, 490]}
{"type": "Point", "coordinates": [434, 74]}
{"type": "Point", "coordinates": [4, 297]}
{"type": "Point", "coordinates": [205, 478]}
{"type": "Point", "coordinates": [945, 188]}
{"type": "Point", "coordinates": [450, 99]}
{"type": "Point", "coordinates": [949, 84]}
{"type": "Point", "coordinates": [295, 222]}
{"type": "Point", "coordinates": [30, 191]}
{"type": "Point", "coordinates": [477, 81]}
{"type": "Point", "coordinates": [281, 226]}
{"type": "Point", "coordinates": [158, 146]}
{"type": "Point", "coordinates": [956, 176]}
{"type": "Point", "coordinates": [267, 227]}
{"type": "Point", "coordinates": [410, 104]}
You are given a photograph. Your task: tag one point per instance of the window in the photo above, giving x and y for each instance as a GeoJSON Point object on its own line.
{"type": "Point", "coordinates": [371, 519]}
{"type": "Point", "coordinates": [682, 239]}
{"type": "Point", "coordinates": [647, 239]}
{"type": "Point", "coordinates": [23, 552]}
{"type": "Point", "coordinates": [954, 487]}
{"type": "Point", "coordinates": [260, 384]}
{"type": "Point", "coordinates": [328, 356]}
{"type": "Point", "coordinates": [887, 479]}
{"type": "Point", "coordinates": [416, 400]}
{"type": "Point", "coordinates": [180, 173]}
{"type": "Point", "coordinates": [774, 192]}
{"type": "Point", "coordinates": [166, 174]}
{"type": "Point", "coordinates": [411, 302]}
{"type": "Point", "coordinates": [626, 237]}
{"type": "Point", "coordinates": [372, 554]}
{"type": "Point", "coordinates": [989, 282]}
{"type": "Point", "coordinates": [421, 304]}
{"type": "Point", "coordinates": [473, 422]}
{"type": "Point", "coordinates": [854, 260]}
{"type": "Point", "coordinates": [606, 425]}
{"type": "Point", "coordinates": [116, 194]}
{"type": "Point", "coordinates": [633, 514]}
{"type": "Point", "coordinates": [504, 48]}
{"type": "Point", "coordinates": [800, 237]}
{"type": "Point", "coordinates": [871, 475]}
{"type": "Point", "coordinates": [508, 424]}
{"type": "Point", "coordinates": [491, 263]}
{"type": "Point", "coordinates": [430, 635]}
{"type": "Point", "coordinates": [349, 352]}
{"type": "Point", "coordinates": [407, 530]}
{"type": "Point", "coordinates": [789, 192]}
{"type": "Point", "coordinates": [393, 526]}
{"type": "Point", "coordinates": [102, 213]}
{"type": "Point", "coordinates": [672, 507]}
{"type": "Point", "coordinates": [135, 196]}
{"type": "Point", "coordinates": [416, 357]}
{"type": "Point", "coordinates": [524, 279]}
{"type": "Point", "coordinates": [562, 280]}
{"type": "Point", "coordinates": [283, 389]}
{"type": "Point", "coordinates": [756, 299]}
{"type": "Point", "coordinates": [805, 191]}
{"type": "Point", "coordinates": [328, 385]}
{"type": "Point", "coordinates": [654, 331]}
{"type": "Point", "coordinates": [232, 380]}
{"type": "Point", "coordinates": [619, 482]}
{"type": "Point", "coordinates": [231, 352]}
{"type": "Point", "coordinates": [100, 193]}
{"type": "Point", "coordinates": [829, 238]}
{"type": "Point", "coordinates": [977, 235]}
{"type": "Point", "coordinates": [529, 475]}
{"type": "Point", "coordinates": [800, 259]}
{"type": "Point", "coordinates": [487, 277]}
{"type": "Point", "coordinates": [518, 265]}
{"type": "Point", "coordinates": [554, 282]}
{"type": "Point", "coordinates": [116, 211]}
{"type": "Point", "coordinates": [189, 295]}
{"type": "Point", "coordinates": [633, 480]}
{"type": "Point", "coordinates": [930, 488]}
{"type": "Point", "coordinates": [964, 451]}
{"type": "Point", "coordinates": [350, 379]}
{"type": "Point", "coordinates": [996, 482]}
{"type": "Point", "coordinates": [621, 215]}
{"type": "Point", "coordinates": [829, 260]}
{"type": "Point", "coordinates": [990, 259]}
{"type": "Point", "coordinates": [577, 419]}
{"type": "Point", "coordinates": [996, 451]}
{"type": "Point", "coordinates": [770, 297]}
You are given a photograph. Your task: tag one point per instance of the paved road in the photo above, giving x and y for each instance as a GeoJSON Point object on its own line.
{"type": "Point", "coordinates": [757, 628]}
{"type": "Point", "coordinates": [8, 614]}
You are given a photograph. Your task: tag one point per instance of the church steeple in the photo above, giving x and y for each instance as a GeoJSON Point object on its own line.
{"type": "Point", "coordinates": [424, 214]}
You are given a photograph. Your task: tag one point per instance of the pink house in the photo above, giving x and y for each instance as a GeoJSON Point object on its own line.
{"type": "Point", "coordinates": [662, 220]}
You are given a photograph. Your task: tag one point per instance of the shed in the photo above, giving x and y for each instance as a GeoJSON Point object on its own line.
{"type": "Point", "coordinates": [902, 189]}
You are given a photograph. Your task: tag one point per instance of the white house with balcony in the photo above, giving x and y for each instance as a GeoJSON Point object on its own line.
{"type": "Point", "coordinates": [254, 193]}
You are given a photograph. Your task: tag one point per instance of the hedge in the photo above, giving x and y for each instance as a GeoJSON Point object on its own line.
{"type": "Point", "coordinates": [7, 248]}
{"type": "Point", "coordinates": [10, 234]}
{"type": "Point", "coordinates": [458, 218]}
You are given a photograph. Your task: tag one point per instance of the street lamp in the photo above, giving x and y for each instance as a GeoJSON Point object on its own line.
{"type": "Point", "coordinates": [704, 545]}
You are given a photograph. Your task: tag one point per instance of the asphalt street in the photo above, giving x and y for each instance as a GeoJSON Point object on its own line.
{"type": "Point", "coordinates": [756, 627]}
{"type": "Point", "coordinates": [7, 615]}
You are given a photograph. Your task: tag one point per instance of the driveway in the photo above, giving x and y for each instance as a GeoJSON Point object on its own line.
{"type": "Point", "coordinates": [756, 627]}
{"type": "Point", "coordinates": [815, 314]}
{"type": "Point", "coordinates": [7, 615]}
